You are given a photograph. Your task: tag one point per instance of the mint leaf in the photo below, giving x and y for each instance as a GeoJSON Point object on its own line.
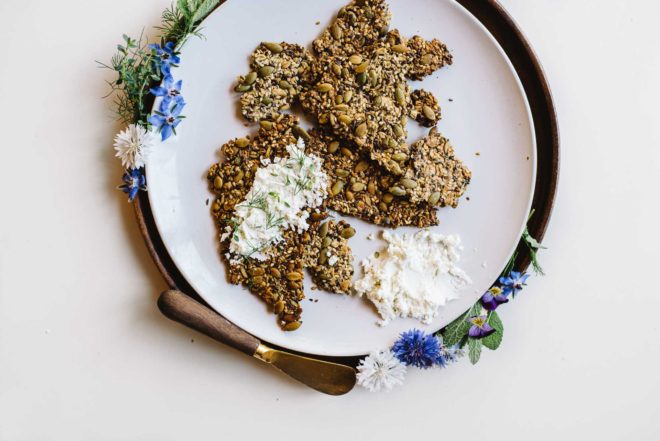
{"type": "Point", "coordinates": [456, 330]}
{"type": "Point", "coordinates": [474, 350]}
{"type": "Point", "coordinates": [493, 341]}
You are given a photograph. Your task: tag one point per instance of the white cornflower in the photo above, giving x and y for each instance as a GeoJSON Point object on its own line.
{"type": "Point", "coordinates": [133, 145]}
{"type": "Point", "coordinates": [380, 370]}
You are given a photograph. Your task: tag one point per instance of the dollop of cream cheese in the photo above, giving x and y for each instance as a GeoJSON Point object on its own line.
{"type": "Point", "coordinates": [280, 192]}
{"type": "Point", "coordinates": [414, 277]}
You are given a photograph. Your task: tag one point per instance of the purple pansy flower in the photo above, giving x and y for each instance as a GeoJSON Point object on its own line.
{"type": "Point", "coordinates": [134, 181]}
{"type": "Point", "coordinates": [169, 90]}
{"type": "Point", "coordinates": [167, 56]}
{"type": "Point", "coordinates": [415, 348]}
{"type": "Point", "coordinates": [480, 327]}
{"type": "Point", "coordinates": [166, 118]}
{"type": "Point", "coordinates": [513, 283]}
{"type": "Point", "coordinates": [493, 298]}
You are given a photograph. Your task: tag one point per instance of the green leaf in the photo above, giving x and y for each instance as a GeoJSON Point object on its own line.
{"type": "Point", "coordinates": [531, 241]}
{"type": "Point", "coordinates": [456, 330]}
{"type": "Point", "coordinates": [203, 8]}
{"type": "Point", "coordinates": [493, 341]}
{"type": "Point", "coordinates": [474, 350]}
{"type": "Point", "coordinates": [182, 5]}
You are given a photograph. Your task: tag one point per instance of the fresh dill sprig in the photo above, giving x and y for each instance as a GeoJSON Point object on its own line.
{"type": "Point", "coordinates": [135, 63]}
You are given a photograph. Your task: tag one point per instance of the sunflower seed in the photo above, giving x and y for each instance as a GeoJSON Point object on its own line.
{"type": "Point", "coordinates": [355, 59]}
{"type": "Point", "coordinates": [217, 183]}
{"type": "Point", "coordinates": [294, 276]}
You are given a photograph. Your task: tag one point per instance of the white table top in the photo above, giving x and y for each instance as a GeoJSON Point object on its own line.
{"type": "Point", "coordinates": [85, 354]}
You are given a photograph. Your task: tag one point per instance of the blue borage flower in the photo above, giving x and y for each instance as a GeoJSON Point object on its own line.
{"type": "Point", "coordinates": [493, 298]}
{"type": "Point", "coordinates": [167, 56]}
{"type": "Point", "coordinates": [448, 354]}
{"type": "Point", "coordinates": [134, 181]}
{"type": "Point", "coordinates": [167, 117]}
{"type": "Point", "coordinates": [480, 327]}
{"type": "Point", "coordinates": [170, 90]}
{"type": "Point", "coordinates": [415, 348]}
{"type": "Point", "coordinates": [513, 283]}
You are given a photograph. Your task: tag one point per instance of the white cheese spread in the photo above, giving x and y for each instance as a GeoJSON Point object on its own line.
{"type": "Point", "coordinates": [414, 277]}
{"type": "Point", "coordinates": [276, 202]}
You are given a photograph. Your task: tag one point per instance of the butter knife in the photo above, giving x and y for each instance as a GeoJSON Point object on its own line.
{"type": "Point", "coordinates": [326, 377]}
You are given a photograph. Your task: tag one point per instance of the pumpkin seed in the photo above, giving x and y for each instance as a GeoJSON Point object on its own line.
{"type": "Point", "coordinates": [426, 59]}
{"type": "Point", "coordinates": [241, 143]}
{"type": "Point", "coordinates": [398, 130]}
{"type": "Point", "coordinates": [347, 233]}
{"type": "Point", "coordinates": [301, 133]}
{"type": "Point", "coordinates": [334, 145]}
{"type": "Point", "coordinates": [373, 75]}
{"type": "Point", "coordinates": [395, 167]}
{"type": "Point", "coordinates": [434, 198]}
{"type": "Point", "coordinates": [361, 79]}
{"type": "Point", "coordinates": [336, 32]}
{"type": "Point", "coordinates": [361, 166]}
{"type": "Point", "coordinates": [355, 59]}
{"type": "Point", "coordinates": [383, 30]}
{"type": "Point", "coordinates": [323, 256]}
{"type": "Point", "coordinates": [398, 157]}
{"type": "Point", "coordinates": [345, 119]}
{"type": "Point", "coordinates": [339, 99]}
{"type": "Point", "coordinates": [266, 100]}
{"type": "Point", "coordinates": [275, 272]}
{"type": "Point", "coordinates": [327, 240]}
{"type": "Point", "coordinates": [336, 69]}
{"type": "Point", "coordinates": [409, 183]}
{"type": "Point", "coordinates": [294, 276]}
{"type": "Point", "coordinates": [346, 152]}
{"type": "Point", "coordinates": [400, 95]}
{"type": "Point", "coordinates": [358, 186]}
{"type": "Point", "coordinates": [400, 48]}
{"type": "Point", "coordinates": [341, 107]}
{"type": "Point", "coordinates": [323, 230]}
{"type": "Point", "coordinates": [215, 207]}
{"type": "Point", "coordinates": [361, 130]}
{"type": "Point", "coordinates": [239, 176]}
{"type": "Point", "coordinates": [265, 71]}
{"type": "Point", "coordinates": [278, 307]}
{"type": "Point", "coordinates": [257, 280]}
{"type": "Point", "coordinates": [428, 113]}
{"type": "Point", "coordinates": [382, 206]}
{"type": "Point", "coordinates": [241, 88]}
{"type": "Point", "coordinates": [388, 197]}
{"type": "Point", "coordinates": [284, 84]}
{"type": "Point", "coordinates": [217, 183]}
{"type": "Point", "coordinates": [266, 125]}
{"type": "Point", "coordinates": [397, 191]}
{"type": "Point", "coordinates": [275, 48]}
{"type": "Point", "coordinates": [371, 188]}
{"type": "Point", "coordinates": [291, 326]}
{"type": "Point", "coordinates": [250, 78]}
{"type": "Point", "coordinates": [324, 87]}
{"type": "Point", "coordinates": [378, 100]}
{"type": "Point", "coordinates": [391, 143]}
{"type": "Point", "coordinates": [337, 187]}
{"type": "Point", "coordinates": [362, 67]}
{"type": "Point", "coordinates": [348, 95]}
{"type": "Point", "coordinates": [342, 173]}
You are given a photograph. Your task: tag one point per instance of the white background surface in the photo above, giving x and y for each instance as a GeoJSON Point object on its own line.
{"type": "Point", "coordinates": [85, 354]}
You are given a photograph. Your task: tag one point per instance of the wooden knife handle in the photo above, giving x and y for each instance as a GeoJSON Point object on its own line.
{"type": "Point", "coordinates": [181, 308]}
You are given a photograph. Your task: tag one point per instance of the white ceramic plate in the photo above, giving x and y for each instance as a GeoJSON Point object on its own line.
{"type": "Point", "coordinates": [485, 115]}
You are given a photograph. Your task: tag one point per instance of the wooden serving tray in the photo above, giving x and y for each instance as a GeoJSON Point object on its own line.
{"type": "Point", "coordinates": [493, 16]}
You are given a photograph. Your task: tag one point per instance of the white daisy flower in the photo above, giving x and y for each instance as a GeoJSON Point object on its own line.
{"type": "Point", "coordinates": [133, 145]}
{"type": "Point", "coordinates": [380, 370]}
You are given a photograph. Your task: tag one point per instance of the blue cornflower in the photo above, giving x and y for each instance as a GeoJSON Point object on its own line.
{"type": "Point", "coordinates": [418, 349]}
{"type": "Point", "coordinates": [513, 283]}
{"type": "Point", "coordinates": [167, 56]}
{"type": "Point", "coordinates": [480, 327]}
{"type": "Point", "coordinates": [134, 181]}
{"type": "Point", "coordinates": [166, 118]}
{"type": "Point", "coordinates": [493, 298]}
{"type": "Point", "coordinates": [170, 90]}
